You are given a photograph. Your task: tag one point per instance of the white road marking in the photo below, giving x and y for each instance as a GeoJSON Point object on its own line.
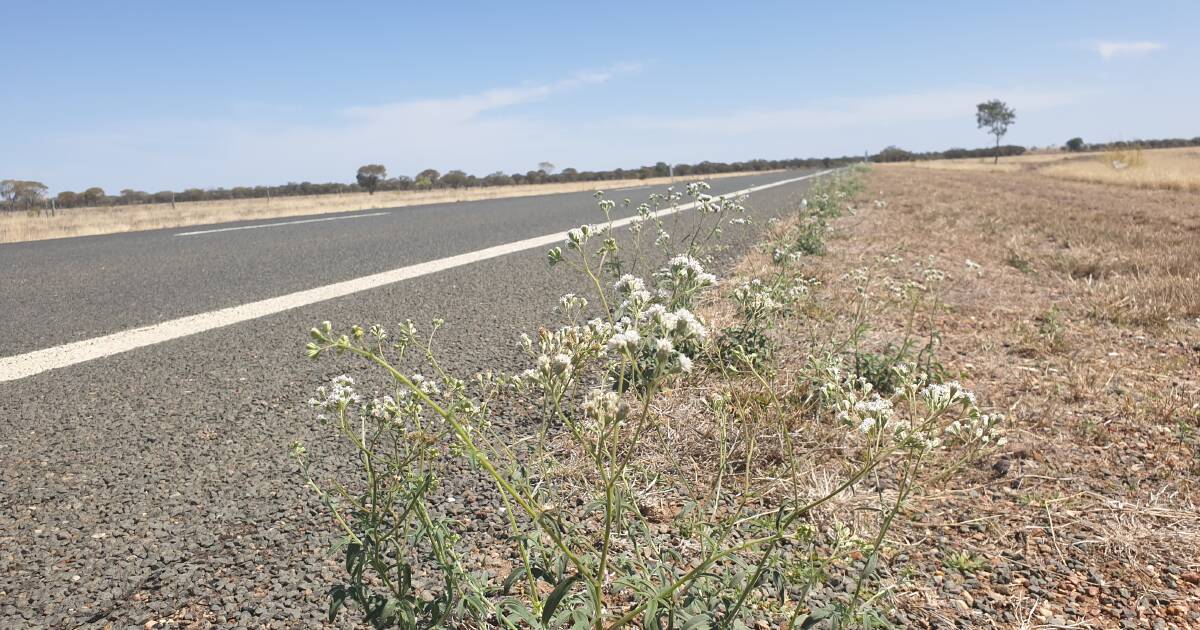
{"type": "Point", "coordinates": [38, 361]}
{"type": "Point", "coordinates": [277, 224]}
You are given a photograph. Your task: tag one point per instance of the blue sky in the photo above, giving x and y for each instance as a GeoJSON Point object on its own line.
{"type": "Point", "coordinates": [157, 95]}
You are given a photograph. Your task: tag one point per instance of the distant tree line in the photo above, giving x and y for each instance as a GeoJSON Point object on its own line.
{"type": "Point", "coordinates": [896, 154]}
{"type": "Point", "coordinates": [32, 196]}
{"type": "Point", "coordinates": [1077, 144]}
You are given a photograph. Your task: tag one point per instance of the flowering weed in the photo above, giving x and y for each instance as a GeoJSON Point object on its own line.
{"type": "Point", "coordinates": [621, 513]}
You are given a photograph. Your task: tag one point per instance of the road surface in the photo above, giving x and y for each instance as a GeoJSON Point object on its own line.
{"type": "Point", "coordinates": [154, 481]}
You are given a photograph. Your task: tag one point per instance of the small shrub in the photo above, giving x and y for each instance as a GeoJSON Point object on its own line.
{"type": "Point", "coordinates": [878, 370]}
{"type": "Point", "coordinates": [1018, 262]}
{"type": "Point", "coordinates": [964, 561]}
{"type": "Point", "coordinates": [741, 347]}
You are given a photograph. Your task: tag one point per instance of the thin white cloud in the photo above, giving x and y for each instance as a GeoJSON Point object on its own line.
{"type": "Point", "coordinates": [470, 131]}
{"type": "Point", "coordinates": [1108, 50]}
{"type": "Point", "coordinates": [469, 106]}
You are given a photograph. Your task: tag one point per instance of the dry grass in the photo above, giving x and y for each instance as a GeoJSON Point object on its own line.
{"type": "Point", "coordinates": [15, 227]}
{"type": "Point", "coordinates": [1074, 309]}
{"type": "Point", "coordinates": [1081, 321]}
{"type": "Point", "coordinates": [1029, 161]}
{"type": "Point", "coordinates": [1167, 169]}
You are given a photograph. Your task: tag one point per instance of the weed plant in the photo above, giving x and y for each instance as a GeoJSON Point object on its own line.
{"type": "Point", "coordinates": [604, 537]}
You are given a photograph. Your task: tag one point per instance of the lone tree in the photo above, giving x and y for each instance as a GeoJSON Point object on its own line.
{"type": "Point", "coordinates": [546, 167]}
{"type": "Point", "coordinates": [995, 115]}
{"type": "Point", "coordinates": [427, 178]}
{"type": "Point", "coordinates": [93, 196]}
{"type": "Point", "coordinates": [370, 175]}
{"type": "Point", "coordinates": [1075, 144]}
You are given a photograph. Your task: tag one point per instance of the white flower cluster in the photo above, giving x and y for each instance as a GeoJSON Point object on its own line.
{"type": "Point", "coordinates": [604, 406]}
{"type": "Point", "coordinates": [873, 412]}
{"type": "Point", "coordinates": [658, 333]}
{"type": "Point", "coordinates": [384, 408]}
{"type": "Point", "coordinates": [903, 290]}
{"type": "Point", "coordinates": [572, 304]}
{"type": "Point", "coordinates": [560, 353]}
{"type": "Point", "coordinates": [579, 236]}
{"type": "Point", "coordinates": [633, 290]}
{"type": "Point", "coordinates": [681, 278]}
{"type": "Point", "coordinates": [935, 413]}
{"type": "Point", "coordinates": [625, 341]}
{"type": "Point", "coordinates": [940, 396]}
{"type": "Point", "coordinates": [428, 387]}
{"type": "Point", "coordinates": [978, 427]}
{"type": "Point", "coordinates": [337, 396]}
{"type": "Point", "coordinates": [854, 400]}
{"type": "Point", "coordinates": [759, 301]}
{"type": "Point", "coordinates": [786, 257]}
{"type": "Point", "coordinates": [684, 266]}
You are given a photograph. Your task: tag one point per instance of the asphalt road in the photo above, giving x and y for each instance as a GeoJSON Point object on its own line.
{"type": "Point", "coordinates": [65, 290]}
{"type": "Point", "coordinates": [157, 482]}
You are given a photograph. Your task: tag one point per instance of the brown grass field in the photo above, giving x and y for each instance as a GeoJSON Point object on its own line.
{"type": "Point", "coordinates": [17, 227]}
{"type": "Point", "coordinates": [1169, 169]}
{"type": "Point", "coordinates": [1074, 307]}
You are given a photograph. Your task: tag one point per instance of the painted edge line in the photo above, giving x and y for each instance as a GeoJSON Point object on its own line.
{"type": "Point", "coordinates": [28, 364]}
{"type": "Point", "coordinates": [279, 223]}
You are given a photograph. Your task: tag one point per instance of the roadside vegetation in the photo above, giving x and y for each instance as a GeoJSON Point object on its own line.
{"type": "Point", "coordinates": [708, 457]}
{"type": "Point", "coordinates": [924, 399]}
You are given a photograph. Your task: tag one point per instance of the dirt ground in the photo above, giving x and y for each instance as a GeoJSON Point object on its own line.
{"type": "Point", "coordinates": [1073, 308]}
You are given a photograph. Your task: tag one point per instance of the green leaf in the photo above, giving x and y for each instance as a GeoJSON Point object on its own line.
{"type": "Point", "coordinates": [337, 597]}
{"type": "Point", "coordinates": [516, 574]}
{"type": "Point", "coordinates": [650, 617]}
{"type": "Point", "coordinates": [815, 617]}
{"type": "Point", "coordinates": [696, 622]}
{"type": "Point", "coordinates": [389, 609]}
{"type": "Point", "coordinates": [556, 596]}
{"type": "Point", "coordinates": [517, 612]}
{"type": "Point", "coordinates": [405, 579]}
{"type": "Point", "coordinates": [353, 554]}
